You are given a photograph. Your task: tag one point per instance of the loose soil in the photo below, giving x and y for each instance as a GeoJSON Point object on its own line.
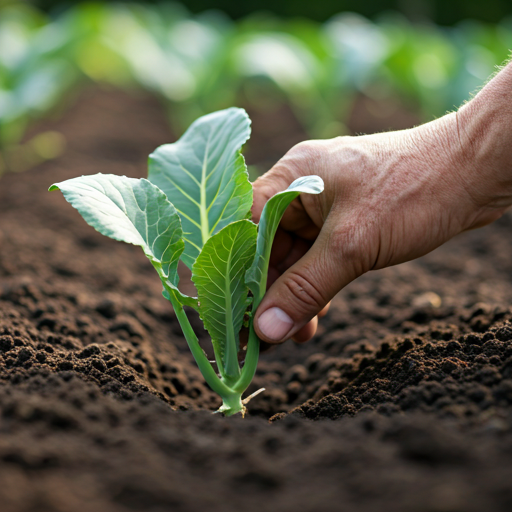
{"type": "Point", "coordinates": [402, 402]}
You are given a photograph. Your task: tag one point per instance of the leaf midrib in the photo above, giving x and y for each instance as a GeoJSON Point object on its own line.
{"type": "Point", "coordinates": [230, 367]}
{"type": "Point", "coordinates": [205, 228]}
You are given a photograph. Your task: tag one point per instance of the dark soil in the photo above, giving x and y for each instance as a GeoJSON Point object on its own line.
{"type": "Point", "coordinates": [103, 410]}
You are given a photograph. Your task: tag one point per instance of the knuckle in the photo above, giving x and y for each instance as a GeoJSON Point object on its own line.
{"type": "Point", "coordinates": [304, 156]}
{"type": "Point", "coordinates": [310, 147]}
{"type": "Point", "coordinates": [275, 180]}
{"type": "Point", "coordinates": [309, 296]}
{"type": "Point", "coordinates": [265, 189]}
{"type": "Point", "coordinates": [283, 172]}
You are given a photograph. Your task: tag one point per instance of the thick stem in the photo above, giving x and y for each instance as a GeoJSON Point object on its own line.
{"type": "Point", "coordinates": [232, 405]}
{"type": "Point", "coordinates": [202, 361]}
{"type": "Point", "coordinates": [251, 361]}
{"type": "Point", "coordinates": [231, 394]}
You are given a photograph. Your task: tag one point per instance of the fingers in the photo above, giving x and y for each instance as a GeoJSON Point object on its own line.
{"type": "Point", "coordinates": [296, 163]}
{"type": "Point", "coordinates": [287, 249]}
{"type": "Point", "coordinates": [304, 291]}
{"type": "Point", "coordinates": [295, 219]}
{"type": "Point", "coordinates": [281, 247]}
{"type": "Point", "coordinates": [307, 332]}
{"type": "Point", "coordinates": [298, 318]}
{"type": "Point", "coordinates": [324, 311]}
{"type": "Point", "coordinates": [268, 185]}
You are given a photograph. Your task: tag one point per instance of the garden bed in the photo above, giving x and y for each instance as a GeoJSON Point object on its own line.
{"type": "Point", "coordinates": [102, 408]}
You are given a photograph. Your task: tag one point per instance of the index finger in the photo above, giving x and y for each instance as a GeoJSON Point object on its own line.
{"type": "Point", "coordinates": [295, 218]}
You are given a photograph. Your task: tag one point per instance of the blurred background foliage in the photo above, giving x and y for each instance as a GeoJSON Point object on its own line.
{"type": "Point", "coordinates": [313, 58]}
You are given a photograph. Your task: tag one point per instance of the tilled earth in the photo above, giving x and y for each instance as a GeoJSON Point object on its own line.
{"type": "Point", "coordinates": [403, 401]}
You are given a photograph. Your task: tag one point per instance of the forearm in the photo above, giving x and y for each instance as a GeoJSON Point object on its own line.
{"type": "Point", "coordinates": [484, 127]}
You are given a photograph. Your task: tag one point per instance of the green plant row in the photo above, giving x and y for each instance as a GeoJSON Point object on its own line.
{"type": "Point", "coordinates": [199, 64]}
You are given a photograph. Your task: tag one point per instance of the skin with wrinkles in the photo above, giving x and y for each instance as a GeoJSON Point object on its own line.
{"type": "Point", "coordinates": [389, 198]}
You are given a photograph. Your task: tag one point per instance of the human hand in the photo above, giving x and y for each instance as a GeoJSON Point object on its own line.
{"type": "Point", "coordinates": [388, 198]}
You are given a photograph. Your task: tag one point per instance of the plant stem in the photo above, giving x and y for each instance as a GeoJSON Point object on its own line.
{"type": "Point", "coordinates": [251, 361]}
{"type": "Point", "coordinates": [231, 398]}
{"type": "Point", "coordinates": [202, 361]}
{"type": "Point", "coordinates": [232, 405]}
{"type": "Point", "coordinates": [229, 388]}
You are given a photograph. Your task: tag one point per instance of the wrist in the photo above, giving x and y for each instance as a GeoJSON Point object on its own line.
{"type": "Point", "coordinates": [484, 130]}
{"type": "Point", "coordinates": [463, 172]}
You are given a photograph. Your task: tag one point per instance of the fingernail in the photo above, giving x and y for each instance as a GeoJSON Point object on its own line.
{"type": "Point", "coordinates": [275, 324]}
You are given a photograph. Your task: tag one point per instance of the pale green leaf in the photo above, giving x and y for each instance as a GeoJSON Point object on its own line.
{"type": "Point", "coordinates": [204, 175]}
{"type": "Point", "coordinates": [218, 274]}
{"type": "Point", "coordinates": [132, 211]}
{"type": "Point", "coordinates": [256, 276]}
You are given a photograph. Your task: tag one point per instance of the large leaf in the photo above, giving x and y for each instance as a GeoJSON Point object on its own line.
{"type": "Point", "coordinates": [132, 211]}
{"type": "Point", "coordinates": [204, 176]}
{"type": "Point", "coordinates": [256, 277]}
{"type": "Point", "coordinates": [218, 274]}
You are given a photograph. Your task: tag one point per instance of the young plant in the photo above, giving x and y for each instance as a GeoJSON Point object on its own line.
{"type": "Point", "coordinates": [195, 207]}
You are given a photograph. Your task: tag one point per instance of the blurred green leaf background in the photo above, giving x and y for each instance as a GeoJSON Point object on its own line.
{"type": "Point", "coordinates": [318, 58]}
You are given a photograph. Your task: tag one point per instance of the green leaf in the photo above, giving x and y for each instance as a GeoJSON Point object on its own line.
{"type": "Point", "coordinates": [132, 211]}
{"type": "Point", "coordinates": [256, 276]}
{"type": "Point", "coordinates": [218, 274]}
{"type": "Point", "coordinates": [204, 175]}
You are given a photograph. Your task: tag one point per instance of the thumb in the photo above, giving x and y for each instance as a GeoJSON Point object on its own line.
{"type": "Point", "coordinates": [306, 287]}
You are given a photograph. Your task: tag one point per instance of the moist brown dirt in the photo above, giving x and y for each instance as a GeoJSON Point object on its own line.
{"type": "Point", "coordinates": [102, 408]}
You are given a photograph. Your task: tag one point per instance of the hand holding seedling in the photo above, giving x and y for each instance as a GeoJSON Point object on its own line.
{"type": "Point", "coordinates": [389, 198]}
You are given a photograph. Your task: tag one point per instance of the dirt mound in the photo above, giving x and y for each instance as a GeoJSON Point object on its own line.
{"type": "Point", "coordinates": [115, 350]}
{"type": "Point", "coordinates": [467, 377]}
